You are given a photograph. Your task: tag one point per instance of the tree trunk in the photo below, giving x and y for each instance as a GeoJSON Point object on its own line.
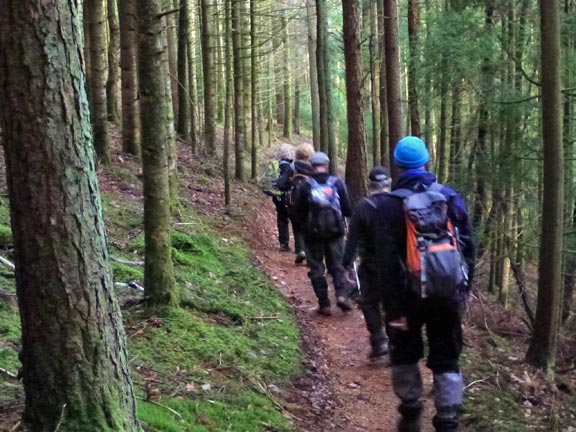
{"type": "Point", "coordinates": [183, 87]}
{"type": "Point", "coordinates": [327, 138]}
{"type": "Point", "coordinates": [542, 350]}
{"type": "Point", "coordinates": [208, 72]}
{"type": "Point", "coordinates": [253, 89]}
{"type": "Point", "coordinates": [412, 67]}
{"type": "Point", "coordinates": [192, 93]}
{"type": "Point", "coordinates": [113, 63]}
{"type": "Point", "coordinates": [98, 107]}
{"type": "Point", "coordinates": [393, 93]}
{"type": "Point", "coordinates": [228, 101]}
{"type": "Point", "coordinates": [238, 89]}
{"type": "Point", "coordinates": [286, 79]}
{"type": "Point", "coordinates": [130, 106]}
{"type": "Point", "coordinates": [373, 47]}
{"type": "Point", "coordinates": [384, 142]}
{"type": "Point", "coordinates": [158, 272]}
{"type": "Point", "coordinates": [296, 114]}
{"type": "Point", "coordinates": [74, 360]}
{"type": "Point", "coordinates": [172, 57]}
{"type": "Point", "coordinates": [314, 96]}
{"type": "Point", "coordinates": [356, 157]}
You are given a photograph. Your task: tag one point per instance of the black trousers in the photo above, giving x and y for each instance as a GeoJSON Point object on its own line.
{"type": "Point", "coordinates": [282, 222]}
{"type": "Point", "coordinates": [321, 254]}
{"type": "Point", "coordinates": [442, 321]}
{"type": "Point", "coordinates": [371, 304]}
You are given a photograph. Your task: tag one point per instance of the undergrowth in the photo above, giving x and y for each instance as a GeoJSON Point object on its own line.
{"type": "Point", "coordinates": [216, 363]}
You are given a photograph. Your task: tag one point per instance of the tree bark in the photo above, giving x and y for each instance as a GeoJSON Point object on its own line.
{"type": "Point", "coordinates": [542, 350]}
{"type": "Point", "coordinates": [239, 130]}
{"type": "Point", "coordinates": [183, 82]}
{"type": "Point", "coordinates": [128, 60]}
{"type": "Point", "coordinates": [228, 101]}
{"type": "Point", "coordinates": [74, 359]}
{"type": "Point", "coordinates": [98, 107]}
{"type": "Point", "coordinates": [286, 79]}
{"type": "Point", "coordinates": [413, 25]}
{"type": "Point", "coordinates": [314, 96]}
{"type": "Point", "coordinates": [373, 47]}
{"type": "Point", "coordinates": [113, 63]}
{"type": "Point", "coordinates": [392, 77]}
{"type": "Point", "coordinates": [356, 157]}
{"type": "Point", "coordinates": [382, 94]}
{"type": "Point", "coordinates": [253, 89]}
{"type": "Point", "coordinates": [208, 72]}
{"type": "Point", "coordinates": [159, 283]}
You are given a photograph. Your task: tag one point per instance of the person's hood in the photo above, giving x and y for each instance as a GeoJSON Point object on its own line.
{"type": "Point", "coordinates": [412, 179]}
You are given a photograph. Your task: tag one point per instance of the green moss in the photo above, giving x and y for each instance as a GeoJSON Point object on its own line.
{"type": "Point", "coordinates": [5, 236]}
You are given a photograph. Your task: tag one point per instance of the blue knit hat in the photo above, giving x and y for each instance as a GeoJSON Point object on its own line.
{"type": "Point", "coordinates": [411, 152]}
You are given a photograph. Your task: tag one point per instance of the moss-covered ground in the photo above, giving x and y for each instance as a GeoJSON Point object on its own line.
{"type": "Point", "coordinates": [214, 364]}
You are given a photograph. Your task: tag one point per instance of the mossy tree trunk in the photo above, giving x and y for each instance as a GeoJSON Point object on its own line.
{"type": "Point", "coordinates": [74, 359]}
{"type": "Point", "coordinates": [356, 158]}
{"type": "Point", "coordinates": [159, 283]}
{"type": "Point", "coordinates": [113, 63]}
{"type": "Point", "coordinates": [96, 19]}
{"type": "Point", "coordinates": [128, 62]}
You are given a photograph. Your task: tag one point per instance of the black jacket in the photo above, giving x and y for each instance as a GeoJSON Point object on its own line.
{"type": "Point", "coordinates": [284, 182]}
{"type": "Point", "coordinates": [361, 232]}
{"type": "Point", "coordinates": [303, 200]}
{"type": "Point", "coordinates": [390, 239]}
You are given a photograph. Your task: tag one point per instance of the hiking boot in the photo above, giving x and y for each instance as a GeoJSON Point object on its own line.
{"type": "Point", "coordinates": [284, 248]}
{"type": "Point", "coordinates": [324, 310]}
{"type": "Point", "coordinates": [378, 352]}
{"type": "Point", "coordinates": [412, 425]}
{"type": "Point", "coordinates": [300, 257]}
{"type": "Point", "coordinates": [344, 303]}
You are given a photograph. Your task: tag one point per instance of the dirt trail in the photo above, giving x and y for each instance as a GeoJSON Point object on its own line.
{"type": "Point", "coordinates": [361, 393]}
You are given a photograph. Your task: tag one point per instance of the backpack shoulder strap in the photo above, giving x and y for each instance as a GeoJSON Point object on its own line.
{"type": "Point", "coordinates": [402, 193]}
{"type": "Point", "coordinates": [435, 187]}
{"type": "Point", "coordinates": [332, 181]}
{"type": "Point", "coordinates": [371, 203]}
{"type": "Point", "coordinates": [312, 181]}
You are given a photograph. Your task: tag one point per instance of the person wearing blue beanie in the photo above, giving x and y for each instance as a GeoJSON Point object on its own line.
{"type": "Point", "coordinates": [406, 311]}
{"type": "Point", "coordinates": [411, 152]}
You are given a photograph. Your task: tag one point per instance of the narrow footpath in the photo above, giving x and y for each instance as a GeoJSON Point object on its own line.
{"type": "Point", "coordinates": [349, 393]}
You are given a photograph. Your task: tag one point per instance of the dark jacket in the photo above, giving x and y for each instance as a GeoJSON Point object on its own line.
{"type": "Point", "coordinates": [285, 182]}
{"type": "Point", "coordinates": [361, 232]}
{"type": "Point", "coordinates": [284, 167]}
{"type": "Point", "coordinates": [390, 237]}
{"type": "Point", "coordinates": [302, 202]}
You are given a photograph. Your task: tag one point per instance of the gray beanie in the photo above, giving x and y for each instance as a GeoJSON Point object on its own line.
{"type": "Point", "coordinates": [319, 158]}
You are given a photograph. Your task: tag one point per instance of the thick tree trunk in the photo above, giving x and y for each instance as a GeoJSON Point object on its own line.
{"type": "Point", "coordinates": [542, 350]}
{"type": "Point", "coordinates": [74, 359]}
{"type": "Point", "coordinates": [113, 63]}
{"type": "Point", "coordinates": [130, 106]}
{"type": "Point", "coordinates": [239, 130]}
{"type": "Point", "coordinates": [98, 107]}
{"type": "Point", "coordinates": [208, 72]}
{"type": "Point", "coordinates": [154, 98]}
{"type": "Point", "coordinates": [392, 76]}
{"type": "Point", "coordinates": [314, 97]}
{"type": "Point", "coordinates": [183, 87]}
{"type": "Point", "coordinates": [356, 158]}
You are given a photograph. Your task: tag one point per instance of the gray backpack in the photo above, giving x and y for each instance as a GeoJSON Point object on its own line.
{"type": "Point", "coordinates": [433, 260]}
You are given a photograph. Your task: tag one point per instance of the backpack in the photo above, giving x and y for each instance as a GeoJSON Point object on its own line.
{"type": "Point", "coordinates": [267, 180]}
{"type": "Point", "coordinates": [434, 260]}
{"type": "Point", "coordinates": [325, 216]}
{"type": "Point", "coordinates": [290, 197]}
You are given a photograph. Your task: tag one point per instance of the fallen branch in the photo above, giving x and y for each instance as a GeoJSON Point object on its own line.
{"type": "Point", "coordinates": [519, 276]}
{"type": "Point", "coordinates": [131, 284]}
{"type": "Point", "coordinates": [267, 393]}
{"type": "Point", "coordinates": [176, 413]}
{"type": "Point", "coordinates": [127, 262]}
{"type": "Point", "coordinates": [476, 382]}
{"type": "Point", "coordinates": [272, 317]}
{"type": "Point", "coordinates": [8, 373]}
{"type": "Point", "coordinates": [7, 263]}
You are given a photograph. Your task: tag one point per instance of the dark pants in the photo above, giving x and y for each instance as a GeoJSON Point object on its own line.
{"type": "Point", "coordinates": [282, 221]}
{"type": "Point", "coordinates": [443, 327]}
{"type": "Point", "coordinates": [318, 251]}
{"type": "Point", "coordinates": [371, 304]}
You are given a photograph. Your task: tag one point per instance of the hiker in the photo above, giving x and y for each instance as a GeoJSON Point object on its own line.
{"type": "Point", "coordinates": [321, 204]}
{"type": "Point", "coordinates": [298, 171]}
{"type": "Point", "coordinates": [274, 170]}
{"type": "Point", "coordinates": [361, 239]}
{"type": "Point", "coordinates": [414, 299]}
